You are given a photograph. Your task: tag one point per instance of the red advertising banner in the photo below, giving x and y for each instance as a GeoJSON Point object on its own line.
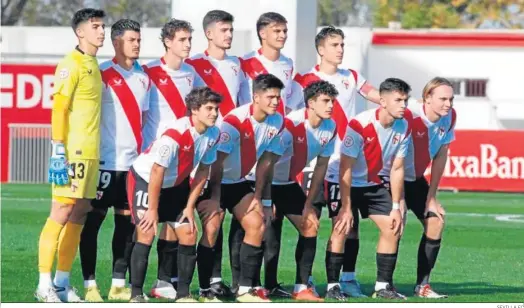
{"type": "Point", "coordinates": [26, 98]}
{"type": "Point", "coordinates": [485, 161]}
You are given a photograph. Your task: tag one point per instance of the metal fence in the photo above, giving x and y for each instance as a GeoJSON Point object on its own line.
{"type": "Point", "coordinates": [29, 151]}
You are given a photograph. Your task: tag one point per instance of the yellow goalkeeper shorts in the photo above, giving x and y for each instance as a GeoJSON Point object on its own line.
{"type": "Point", "coordinates": [83, 181]}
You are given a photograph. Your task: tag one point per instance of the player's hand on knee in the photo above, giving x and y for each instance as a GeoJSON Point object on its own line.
{"type": "Point", "coordinates": [58, 166]}
{"type": "Point", "coordinates": [396, 221]}
{"type": "Point", "coordinates": [189, 214]}
{"type": "Point", "coordinates": [432, 205]}
{"type": "Point", "coordinates": [309, 216]}
{"type": "Point", "coordinates": [344, 221]}
{"type": "Point", "coordinates": [150, 220]}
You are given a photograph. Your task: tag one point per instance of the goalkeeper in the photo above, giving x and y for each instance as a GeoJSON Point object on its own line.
{"type": "Point", "coordinates": [73, 167]}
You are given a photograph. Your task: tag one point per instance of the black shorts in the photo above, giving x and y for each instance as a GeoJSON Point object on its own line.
{"type": "Point", "coordinates": [320, 199]}
{"type": "Point", "coordinates": [111, 190]}
{"type": "Point", "coordinates": [172, 201]}
{"type": "Point", "coordinates": [289, 199]}
{"type": "Point", "coordinates": [416, 195]}
{"type": "Point", "coordinates": [372, 200]}
{"type": "Point", "coordinates": [230, 194]}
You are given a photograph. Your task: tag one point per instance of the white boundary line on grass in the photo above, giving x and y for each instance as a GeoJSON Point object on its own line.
{"type": "Point", "coordinates": [518, 218]}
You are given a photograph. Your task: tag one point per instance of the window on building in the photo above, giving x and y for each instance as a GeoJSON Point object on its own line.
{"type": "Point", "coordinates": [465, 87]}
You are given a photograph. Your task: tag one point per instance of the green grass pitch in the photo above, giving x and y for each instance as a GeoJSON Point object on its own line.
{"type": "Point", "coordinates": [481, 260]}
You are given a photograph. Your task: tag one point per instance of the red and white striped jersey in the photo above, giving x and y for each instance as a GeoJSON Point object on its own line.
{"type": "Point", "coordinates": [348, 83]}
{"type": "Point", "coordinates": [301, 144]}
{"type": "Point", "coordinates": [373, 146]}
{"type": "Point", "coordinates": [427, 138]}
{"type": "Point", "coordinates": [225, 77]}
{"type": "Point", "coordinates": [168, 93]}
{"type": "Point", "coordinates": [254, 64]}
{"type": "Point", "coordinates": [245, 140]}
{"type": "Point", "coordinates": [125, 95]}
{"type": "Point", "coordinates": [179, 149]}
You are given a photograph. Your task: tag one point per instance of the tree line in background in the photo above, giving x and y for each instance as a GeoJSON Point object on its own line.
{"type": "Point", "coordinates": [367, 13]}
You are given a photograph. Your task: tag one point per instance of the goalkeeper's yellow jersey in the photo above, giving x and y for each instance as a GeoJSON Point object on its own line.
{"type": "Point", "coordinates": [78, 78]}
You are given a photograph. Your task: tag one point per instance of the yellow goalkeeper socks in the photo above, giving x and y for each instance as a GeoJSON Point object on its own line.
{"type": "Point", "coordinates": [47, 245]}
{"type": "Point", "coordinates": [68, 246]}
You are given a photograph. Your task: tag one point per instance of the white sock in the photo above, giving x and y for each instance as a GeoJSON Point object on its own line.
{"type": "Point", "coordinates": [61, 279]}
{"type": "Point", "coordinates": [89, 283]}
{"type": "Point", "coordinates": [243, 290]}
{"type": "Point", "coordinates": [348, 276]}
{"type": "Point", "coordinates": [380, 285]}
{"type": "Point", "coordinates": [174, 279]}
{"type": "Point", "coordinates": [215, 280]}
{"type": "Point", "coordinates": [118, 282]}
{"type": "Point", "coordinates": [331, 285]}
{"type": "Point", "coordinates": [45, 281]}
{"type": "Point", "coordinates": [299, 288]}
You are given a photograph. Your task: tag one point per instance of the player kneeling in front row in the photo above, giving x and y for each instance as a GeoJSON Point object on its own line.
{"type": "Point", "coordinates": [309, 134]}
{"type": "Point", "coordinates": [159, 190]}
{"type": "Point", "coordinates": [432, 132]}
{"type": "Point", "coordinates": [375, 139]}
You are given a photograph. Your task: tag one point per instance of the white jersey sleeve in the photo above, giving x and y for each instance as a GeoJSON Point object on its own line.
{"type": "Point", "coordinates": [404, 146]}
{"type": "Point", "coordinates": [244, 93]}
{"type": "Point", "coordinates": [360, 81]}
{"type": "Point", "coordinates": [229, 138]}
{"type": "Point", "coordinates": [352, 144]}
{"type": "Point", "coordinates": [165, 150]}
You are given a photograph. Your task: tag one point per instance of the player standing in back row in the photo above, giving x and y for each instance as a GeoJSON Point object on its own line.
{"type": "Point", "coordinates": [433, 130]}
{"type": "Point", "coordinates": [375, 140]}
{"type": "Point", "coordinates": [172, 79]}
{"type": "Point", "coordinates": [223, 74]}
{"type": "Point", "coordinates": [73, 166]}
{"type": "Point", "coordinates": [329, 43]}
{"type": "Point", "coordinates": [125, 98]}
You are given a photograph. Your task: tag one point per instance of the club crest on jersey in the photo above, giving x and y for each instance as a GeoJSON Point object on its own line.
{"type": "Point", "coordinates": [235, 69]}
{"type": "Point", "coordinates": [143, 82]}
{"type": "Point", "coordinates": [208, 72]}
{"type": "Point", "coordinates": [163, 81]}
{"type": "Point", "coordinates": [271, 133]}
{"type": "Point", "coordinates": [396, 138]}
{"type": "Point", "coordinates": [348, 141]}
{"type": "Point", "coordinates": [334, 205]}
{"type": "Point", "coordinates": [224, 137]}
{"type": "Point", "coordinates": [441, 132]}
{"type": "Point", "coordinates": [345, 82]}
{"type": "Point", "coordinates": [287, 73]}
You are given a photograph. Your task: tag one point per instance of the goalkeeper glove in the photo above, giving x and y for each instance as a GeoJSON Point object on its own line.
{"type": "Point", "coordinates": [58, 166]}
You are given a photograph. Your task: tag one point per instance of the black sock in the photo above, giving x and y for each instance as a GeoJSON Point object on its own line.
{"type": "Point", "coordinates": [187, 257]}
{"type": "Point", "coordinates": [386, 263]}
{"type": "Point", "coordinates": [236, 237]}
{"type": "Point", "coordinates": [205, 265]}
{"type": "Point", "coordinates": [334, 261]}
{"type": "Point", "coordinates": [427, 257]}
{"type": "Point", "coordinates": [217, 255]}
{"type": "Point", "coordinates": [272, 236]}
{"type": "Point", "coordinates": [167, 256]}
{"type": "Point", "coordinates": [251, 261]}
{"type": "Point", "coordinates": [350, 255]}
{"type": "Point", "coordinates": [88, 243]}
{"type": "Point", "coordinates": [304, 258]}
{"type": "Point", "coordinates": [139, 261]}
{"type": "Point", "coordinates": [122, 245]}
